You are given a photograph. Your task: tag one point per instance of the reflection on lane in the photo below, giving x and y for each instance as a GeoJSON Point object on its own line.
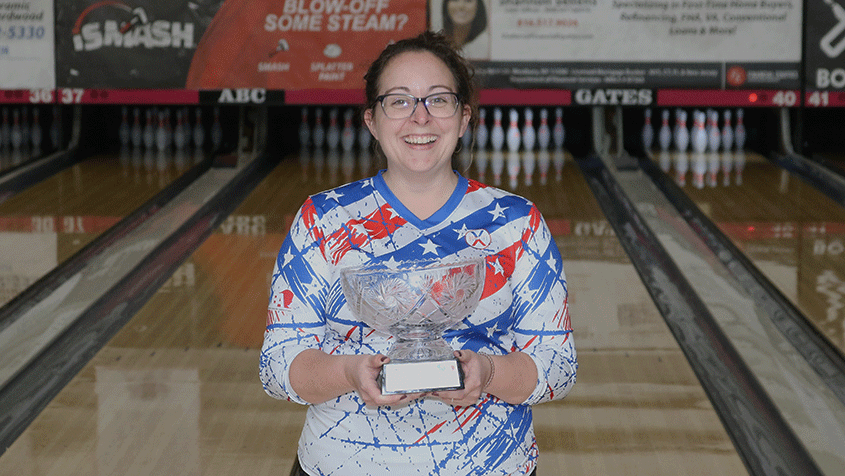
{"type": "Point", "coordinates": [792, 233]}
{"type": "Point", "coordinates": [47, 223]}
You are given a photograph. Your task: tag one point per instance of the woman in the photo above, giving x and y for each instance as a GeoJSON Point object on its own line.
{"type": "Point", "coordinates": [465, 21]}
{"type": "Point", "coordinates": [516, 349]}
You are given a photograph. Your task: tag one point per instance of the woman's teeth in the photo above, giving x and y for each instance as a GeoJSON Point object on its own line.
{"type": "Point", "coordinates": [420, 139]}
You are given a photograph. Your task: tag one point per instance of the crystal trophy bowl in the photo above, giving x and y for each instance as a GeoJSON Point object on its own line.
{"type": "Point", "coordinates": [415, 303]}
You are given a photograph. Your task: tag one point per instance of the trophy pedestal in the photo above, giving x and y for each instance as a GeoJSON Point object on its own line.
{"type": "Point", "coordinates": [421, 364]}
{"type": "Point", "coordinates": [421, 376]}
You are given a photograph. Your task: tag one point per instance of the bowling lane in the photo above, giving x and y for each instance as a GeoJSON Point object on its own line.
{"type": "Point", "coordinates": [792, 233]}
{"type": "Point", "coordinates": [44, 225]}
{"type": "Point", "coordinates": [177, 390]}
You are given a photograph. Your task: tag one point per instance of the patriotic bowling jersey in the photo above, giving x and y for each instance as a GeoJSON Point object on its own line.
{"type": "Point", "coordinates": [523, 309]}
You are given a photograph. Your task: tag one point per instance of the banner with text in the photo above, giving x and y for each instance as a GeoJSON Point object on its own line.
{"type": "Point", "coordinates": [628, 43]}
{"type": "Point", "coordinates": [128, 43]}
{"type": "Point", "coordinates": [300, 44]}
{"type": "Point", "coordinates": [27, 56]}
{"type": "Point", "coordinates": [825, 48]}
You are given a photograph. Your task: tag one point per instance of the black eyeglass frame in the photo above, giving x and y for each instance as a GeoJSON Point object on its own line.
{"type": "Point", "coordinates": [424, 100]}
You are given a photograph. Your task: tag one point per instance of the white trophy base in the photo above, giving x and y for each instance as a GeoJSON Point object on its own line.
{"type": "Point", "coordinates": [421, 376]}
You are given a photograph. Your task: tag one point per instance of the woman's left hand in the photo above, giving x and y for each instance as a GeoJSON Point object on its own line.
{"type": "Point", "coordinates": [476, 373]}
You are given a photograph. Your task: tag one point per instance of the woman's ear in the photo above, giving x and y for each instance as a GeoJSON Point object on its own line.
{"type": "Point", "coordinates": [465, 117]}
{"type": "Point", "coordinates": [369, 121]}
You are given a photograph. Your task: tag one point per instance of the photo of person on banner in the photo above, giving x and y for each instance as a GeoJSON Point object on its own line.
{"type": "Point", "coordinates": [465, 22]}
{"type": "Point", "coordinates": [515, 349]}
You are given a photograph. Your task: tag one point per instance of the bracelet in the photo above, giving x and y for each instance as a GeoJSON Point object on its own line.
{"type": "Point", "coordinates": [492, 370]}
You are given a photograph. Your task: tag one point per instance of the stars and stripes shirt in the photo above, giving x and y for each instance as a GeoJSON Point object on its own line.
{"type": "Point", "coordinates": [523, 309]}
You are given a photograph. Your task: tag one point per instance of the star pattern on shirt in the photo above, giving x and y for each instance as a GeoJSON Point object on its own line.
{"type": "Point", "coordinates": [498, 212]}
{"type": "Point", "coordinates": [493, 330]}
{"type": "Point", "coordinates": [333, 195]}
{"type": "Point", "coordinates": [462, 232]}
{"type": "Point", "coordinates": [288, 257]}
{"type": "Point", "coordinates": [430, 247]}
{"type": "Point", "coordinates": [497, 266]}
{"type": "Point", "coordinates": [551, 262]}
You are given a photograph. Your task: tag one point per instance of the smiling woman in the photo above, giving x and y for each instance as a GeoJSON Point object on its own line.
{"type": "Point", "coordinates": [465, 21]}
{"type": "Point", "coordinates": [515, 349]}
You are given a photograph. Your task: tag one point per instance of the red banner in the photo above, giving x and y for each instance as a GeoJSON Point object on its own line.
{"type": "Point", "coordinates": [299, 44]}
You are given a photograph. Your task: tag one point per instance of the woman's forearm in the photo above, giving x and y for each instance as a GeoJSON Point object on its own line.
{"type": "Point", "coordinates": [514, 377]}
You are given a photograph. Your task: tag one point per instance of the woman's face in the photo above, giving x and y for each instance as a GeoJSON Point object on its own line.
{"type": "Point", "coordinates": [462, 12]}
{"type": "Point", "coordinates": [420, 143]}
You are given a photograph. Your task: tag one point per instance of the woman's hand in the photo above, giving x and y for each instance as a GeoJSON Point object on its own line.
{"type": "Point", "coordinates": [362, 372]}
{"type": "Point", "coordinates": [477, 372]}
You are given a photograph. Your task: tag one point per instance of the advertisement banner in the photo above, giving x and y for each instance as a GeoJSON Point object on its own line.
{"type": "Point", "coordinates": [115, 44]}
{"type": "Point", "coordinates": [300, 44]}
{"type": "Point", "coordinates": [643, 43]}
{"type": "Point", "coordinates": [27, 57]}
{"type": "Point", "coordinates": [216, 44]}
{"type": "Point", "coordinates": [825, 47]}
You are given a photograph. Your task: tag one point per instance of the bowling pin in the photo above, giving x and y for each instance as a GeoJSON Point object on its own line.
{"type": "Point", "coordinates": [16, 137]}
{"type": "Point", "coordinates": [347, 135]}
{"type": "Point", "coordinates": [727, 166]}
{"type": "Point", "coordinates": [648, 130]}
{"type": "Point", "coordinates": [513, 137]}
{"type": "Point", "coordinates": [558, 160]}
{"type": "Point", "coordinates": [137, 132]}
{"type": "Point", "coordinates": [199, 130]}
{"type": "Point", "coordinates": [665, 134]}
{"type": "Point", "coordinates": [364, 137]}
{"type": "Point", "coordinates": [482, 133]}
{"type": "Point", "coordinates": [681, 131]}
{"type": "Point", "coordinates": [497, 165]}
{"type": "Point", "coordinates": [482, 158]}
{"type": "Point", "coordinates": [56, 128]}
{"type": "Point", "coordinates": [123, 130]}
{"type": "Point", "coordinates": [513, 168]}
{"type": "Point", "coordinates": [497, 135]}
{"type": "Point", "coordinates": [529, 136]}
{"type": "Point", "coordinates": [714, 137]}
{"type": "Point", "coordinates": [529, 161]}
{"type": "Point", "coordinates": [179, 133]}
{"type": "Point", "coordinates": [739, 166]}
{"type": "Point", "coordinates": [347, 161]}
{"type": "Point", "coordinates": [544, 134]}
{"type": "Point", "coordinates": [36, 135]}
{"type": "Point", "coordinates": [727, 131]}
{"type": "Point", "coordinates": [304, 130]}
{"type": "Point", "coordinates": [699, 168]}
{"type": "Point", "coordinates": [5, 129]}
{"type": "Point", "coordinates": [664, 159]}
{"type": "Point", "coordinates": [319, 131]}
{"type": "Point", "coordinates": [558, 132]}
{"type": "Point", "coordinates": [681, 168]}
{"type": "Point", "coordinates": [25, 131]}
{"type": "Point", "coordinates": [466, 139]}
{"type": "Point", "coordinates": [713, 165]}
{"type": "Point", "coordinates": [333, 131]}
{"type": "Point", "coordinates": [333, 162]}
{"type": "Point", "coordinates": [699, 133]}
{"type": "Point", "coordinates": [543, 161]}
{"type": "Point", "coordinates": [216, 130]}
{"type": "Point", "coordinates": [161, 132]}
{"type": "Point", "coordinates": [149, 130]}
{"type": "Point", "coordinates": [739, 130]}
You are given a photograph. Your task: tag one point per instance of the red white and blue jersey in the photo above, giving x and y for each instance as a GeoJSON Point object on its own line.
{"type": "Point", "coordinates": [523, 309]}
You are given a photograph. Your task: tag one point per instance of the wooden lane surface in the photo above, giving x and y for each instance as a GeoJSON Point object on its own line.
{"type": "Point", "coordinates": [47, 223]}
{"type": "Point", "coordinates": [792, 233]}
{"type": "Point", "coordinates": [177, 390]}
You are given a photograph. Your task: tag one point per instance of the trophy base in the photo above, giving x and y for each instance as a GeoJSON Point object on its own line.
{"type": "Point", "coordinates": [421, 376]}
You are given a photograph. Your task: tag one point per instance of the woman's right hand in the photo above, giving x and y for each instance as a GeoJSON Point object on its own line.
{"type": "Point", "coordinates": [362, 373]}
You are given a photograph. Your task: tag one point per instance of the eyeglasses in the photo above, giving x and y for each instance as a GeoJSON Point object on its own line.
{"type": "Point", "coordinates": [401, 106]}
